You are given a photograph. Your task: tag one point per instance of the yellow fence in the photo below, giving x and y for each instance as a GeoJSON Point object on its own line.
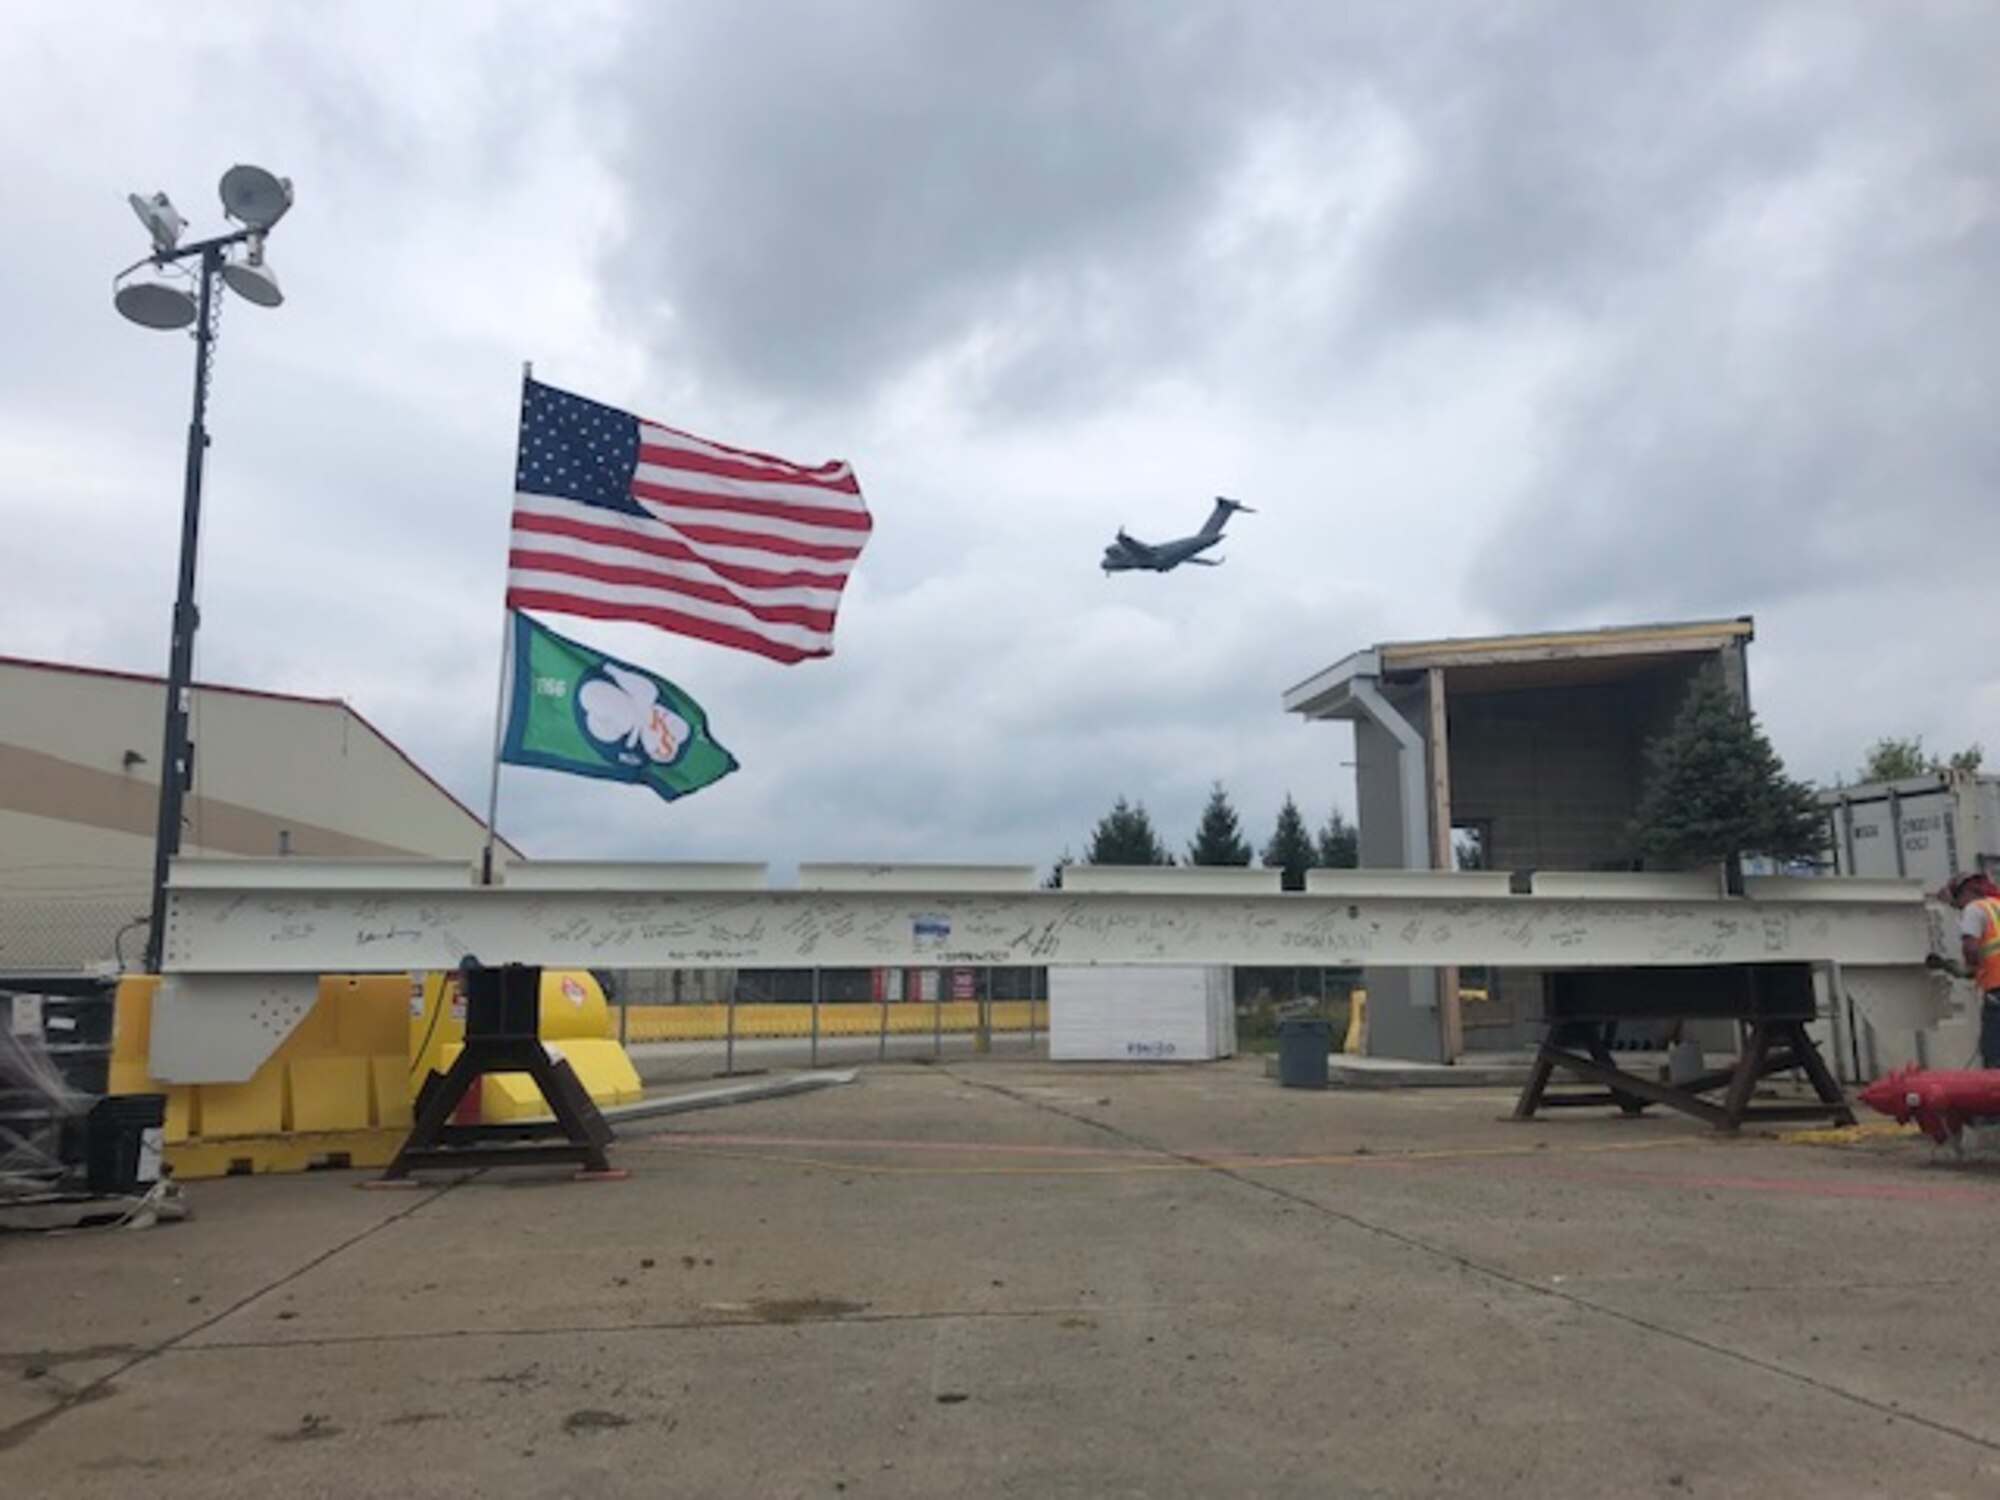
{"type": "Point", "coordinates": [710, 1023]}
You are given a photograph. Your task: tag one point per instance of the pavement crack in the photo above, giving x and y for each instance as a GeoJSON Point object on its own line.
{"type": "Point", "coordinates": [13, 1435]}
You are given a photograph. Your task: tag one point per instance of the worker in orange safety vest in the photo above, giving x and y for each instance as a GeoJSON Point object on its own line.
{"type": "Point", "coordinates": [1978, 906]}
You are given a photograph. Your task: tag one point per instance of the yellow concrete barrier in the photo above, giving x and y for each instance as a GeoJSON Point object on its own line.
{"type": "Point", "coordinates": [335, 1093]}
{"type": "Point", "coordinates": [338, 1090]}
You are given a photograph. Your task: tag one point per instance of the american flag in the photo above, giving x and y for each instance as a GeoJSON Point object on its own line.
{"type": "Point", "coordinates": [618, 518]}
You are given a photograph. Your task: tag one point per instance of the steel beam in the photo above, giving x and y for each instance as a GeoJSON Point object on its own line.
{"type": "Point", "coordinates": [294, 916]}
{"type": "Point", "coordinates": [239, 931]}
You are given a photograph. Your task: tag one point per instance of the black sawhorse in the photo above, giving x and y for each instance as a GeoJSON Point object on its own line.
{"type": "Point", "coordinates": [502, 1025]}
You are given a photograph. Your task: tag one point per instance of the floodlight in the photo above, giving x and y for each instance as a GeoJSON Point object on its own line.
{"type": "Point", "coordinates": [161, 219]}
{"type": "Point", "coordinates": [255, 197]}
{"type": "Point", "coordinates": [251, 279]}
{"type": "Point", "coordinates": [154, 304]}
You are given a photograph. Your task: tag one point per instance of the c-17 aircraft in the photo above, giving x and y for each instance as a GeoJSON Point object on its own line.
{"type": "Point", "coordinates": [1128, 552]}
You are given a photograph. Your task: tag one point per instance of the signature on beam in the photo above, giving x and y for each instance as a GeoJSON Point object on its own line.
{"type": "Point", "coordinates": [364, 938]}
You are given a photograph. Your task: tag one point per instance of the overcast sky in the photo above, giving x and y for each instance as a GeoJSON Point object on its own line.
{"type": "Point", "coordinates": [1505, 317]}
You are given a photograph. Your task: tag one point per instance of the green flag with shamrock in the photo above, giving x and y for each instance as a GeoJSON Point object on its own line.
{"type": "Point", "coordinates": [571, 708]}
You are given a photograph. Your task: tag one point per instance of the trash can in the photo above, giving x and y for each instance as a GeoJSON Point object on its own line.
{"type": "Point", "coordinates": [1303, 1048]}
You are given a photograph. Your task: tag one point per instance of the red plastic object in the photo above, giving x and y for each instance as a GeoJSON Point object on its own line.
{"type": "Point", "coordinates": [1941, 1103]}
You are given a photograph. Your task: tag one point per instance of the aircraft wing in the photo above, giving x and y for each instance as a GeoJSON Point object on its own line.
{"type": "Point", "coordinates": [1136, 553]}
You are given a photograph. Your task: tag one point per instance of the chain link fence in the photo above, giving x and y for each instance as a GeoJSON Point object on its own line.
{"type": "Point", "coordinates": [680, 1024]}
{"type": "Point", "coordinates": [100, 930]}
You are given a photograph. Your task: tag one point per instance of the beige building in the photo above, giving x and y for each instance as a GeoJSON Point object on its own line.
{"type": "Point", "coordinates": [273, 774]}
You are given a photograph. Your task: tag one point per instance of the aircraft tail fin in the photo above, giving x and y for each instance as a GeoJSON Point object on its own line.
{"type": "Point", "coordinates": [1219, 517]}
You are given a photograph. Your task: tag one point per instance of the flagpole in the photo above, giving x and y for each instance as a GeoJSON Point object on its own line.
{"type": "Point", "coordinates": [499, 730]}
{"type": "Point", "coordinates": [500, 702]}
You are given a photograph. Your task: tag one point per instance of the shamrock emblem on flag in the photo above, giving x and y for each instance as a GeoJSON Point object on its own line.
{"type": "Point", "coordinates": [623, 715]}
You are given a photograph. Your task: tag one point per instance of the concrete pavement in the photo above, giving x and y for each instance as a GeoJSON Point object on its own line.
{"type": "Point", "coordinates": [1002, 1277]}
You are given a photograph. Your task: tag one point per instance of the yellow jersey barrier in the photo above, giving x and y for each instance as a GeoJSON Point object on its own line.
{"type": "Point", "coordinates": [338, 1091]}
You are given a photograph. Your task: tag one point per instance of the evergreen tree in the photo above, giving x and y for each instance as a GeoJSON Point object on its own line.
{"type": "Point", "coordinates": [1291, 847]}
{"type": "Point", "coordinates": [1339, 843]}
{"type": "Point", "coordinates": [1053, 880]}
{"type": "Point", "coordinates": [1218, 841]}
{"type": "Point", "coordinates": [1716, 790]}
{"type": "Point", "coordinates": [1124, 836]}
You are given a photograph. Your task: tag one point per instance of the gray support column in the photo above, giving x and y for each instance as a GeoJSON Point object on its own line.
{"type": "Point", "coordinates": [1415, 799]}
{"type": "Point", "coordinates": [1403, 1016]}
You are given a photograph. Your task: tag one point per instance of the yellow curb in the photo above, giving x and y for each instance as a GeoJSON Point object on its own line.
{"type": "Point", "coordinates": [1847, 1135]}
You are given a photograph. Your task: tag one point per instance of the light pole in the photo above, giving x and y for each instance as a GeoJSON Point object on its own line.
{"type": "Point", "coordinates": [256, 200]}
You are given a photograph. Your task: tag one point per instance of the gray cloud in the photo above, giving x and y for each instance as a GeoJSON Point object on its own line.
{"type": "Point", "coordinates": [1792, 377]}
{"type": "Point", "coordinates": [866, 185]}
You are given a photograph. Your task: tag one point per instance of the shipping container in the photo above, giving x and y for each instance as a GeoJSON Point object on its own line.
{"type": "Point", "coordinates": [1924, 828]}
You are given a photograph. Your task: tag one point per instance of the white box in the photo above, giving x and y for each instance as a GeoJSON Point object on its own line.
{"type": "Point", "coordinates": [1141, 1013]}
